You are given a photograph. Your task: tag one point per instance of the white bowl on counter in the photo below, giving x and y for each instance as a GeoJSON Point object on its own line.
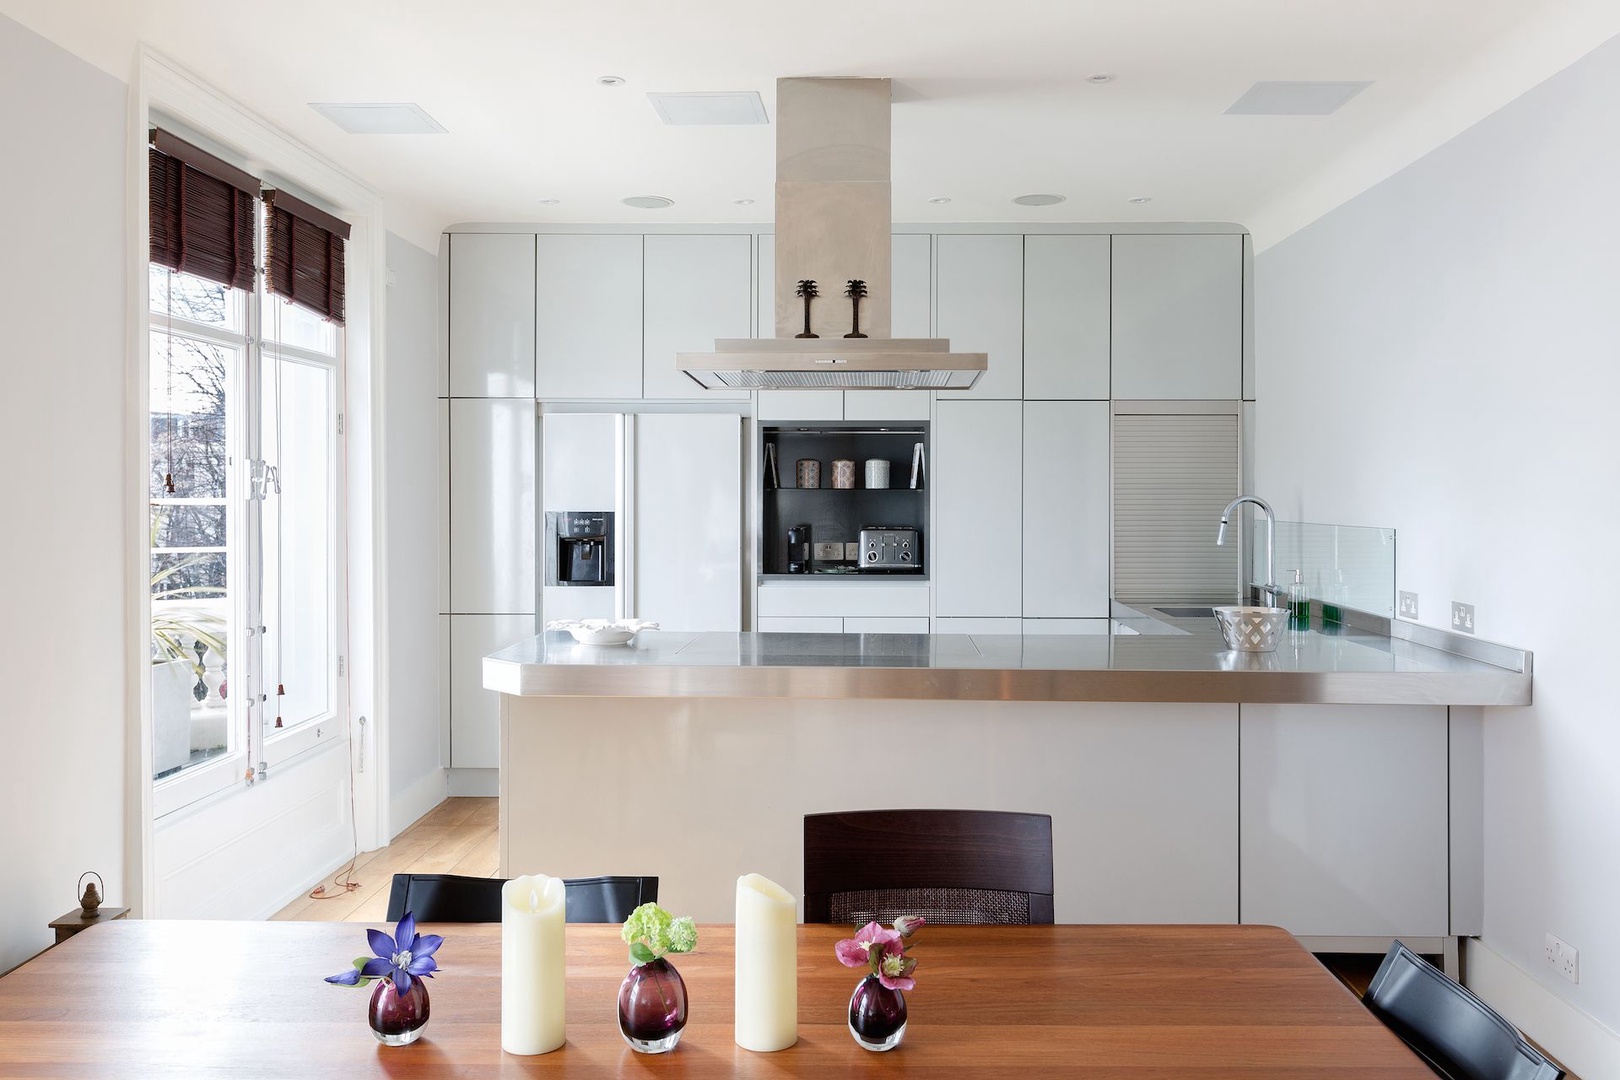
{"type": "Point", "coordinates": [1251, 629]}
{"type": "Point", "coordinates": [602, 631]}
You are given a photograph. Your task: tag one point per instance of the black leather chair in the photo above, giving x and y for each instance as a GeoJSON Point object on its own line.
{"type": "Point", "coordinates": [455, 898]}
{"type": "Point", "coordinates": [949, 866]}
{"type": "Point", "coordinates": [1460, 1036]}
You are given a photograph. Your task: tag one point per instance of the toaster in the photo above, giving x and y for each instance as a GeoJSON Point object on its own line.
{"type": "Point", "coordinates": [887, 547]}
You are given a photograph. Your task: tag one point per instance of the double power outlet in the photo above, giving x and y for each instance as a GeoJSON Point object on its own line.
{"type": "Point", "coordinates": [1462, 615]}
{"type": "Point", "coordinates": [1564, 958]}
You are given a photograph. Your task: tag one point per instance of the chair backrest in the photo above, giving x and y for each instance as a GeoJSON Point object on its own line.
{"type": "Point", "coordinates": [949, 866]}
{"type": "Point", "coordinates": [1460, 1036]}
{"type": "Point", "coordinates": [456, 898]}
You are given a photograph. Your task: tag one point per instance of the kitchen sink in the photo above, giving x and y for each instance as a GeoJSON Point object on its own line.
{"type": "Point", "coordinates": [1187, 612]}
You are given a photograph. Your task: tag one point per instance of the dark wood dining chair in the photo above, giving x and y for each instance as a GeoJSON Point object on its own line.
{"type": "Point", "coordinates": [1460, 1036]}
{"type": "Point", "coordinates": [949, 866]}
{"type": "Point", "coordinates": [457, 898]}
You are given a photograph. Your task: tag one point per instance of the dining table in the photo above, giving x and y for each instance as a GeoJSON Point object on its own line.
{"type": "Point", "coordinates": [180, 999]}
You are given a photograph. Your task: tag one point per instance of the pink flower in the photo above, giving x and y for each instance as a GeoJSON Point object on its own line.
{"type": "Point", "coordinates": [858, 951]}
{"type": "Point", "coordinates": [883, 952]}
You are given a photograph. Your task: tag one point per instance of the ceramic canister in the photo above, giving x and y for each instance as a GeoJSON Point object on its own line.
{"type": "Point", "coordinates": [877, 473]}
{"type": "Point", "coordinates": [843, 473]}
{"type": "Point", "coordinates": [809, 473]}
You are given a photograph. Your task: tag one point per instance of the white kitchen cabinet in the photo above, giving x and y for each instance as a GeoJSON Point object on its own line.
{"type": "Point", "coordinates": [1065, 627]}
{"type": "Point", "coordinates": [911, 263]}
{"type": "Point", "coordinates": [696, 288]}
{"type": "Point", "coordinates": [886, 405]}
{"type": "Point", "coordinates": [981, 308]}
{"type": "Point", "coordinates": [1066, 317]}
{"type": "Point", "coordinates": [844, 600]}
{"type": "Point", "coordinates": [588, 317]}
{"type": "Point", "coordinates": [492, 506]}
{"type": "Point", "coordinates": [798, 406]}
{"type": "Point", "coordinates": [788, 624]}
{"type": "Point", "coordinates": [978, 626]}
{"type": "Point", "coordinates": [1178, 317]}
{"type": "Point", "coordinates": [977, 473]}
{"type": "Point", "coordinates": [1065, 509]}
{"type": "Point", "coordinates": [474, 711]}
{"type": "Point", "coordinates": [765, 286]}
{"type": "Point", "coordinates": [870, 625]}
{"type": "Point", "coordinates": [1343, 811]}
{"type": "Point", "coordinates": [492, 315]}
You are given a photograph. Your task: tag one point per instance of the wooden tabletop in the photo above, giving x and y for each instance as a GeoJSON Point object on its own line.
{"type": "Point", "coordinates": [219, 999]}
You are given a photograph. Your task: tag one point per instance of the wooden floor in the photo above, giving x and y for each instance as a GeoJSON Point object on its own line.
{"type": "Point", "coordinates": [456, 837]}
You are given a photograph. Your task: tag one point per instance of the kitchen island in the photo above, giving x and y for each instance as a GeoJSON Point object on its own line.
{"type": "Point", "coordinates": [1331, 787]}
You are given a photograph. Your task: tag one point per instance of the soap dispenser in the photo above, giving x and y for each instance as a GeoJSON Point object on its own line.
{"type": "Point", "coordinates": [1299, 604]}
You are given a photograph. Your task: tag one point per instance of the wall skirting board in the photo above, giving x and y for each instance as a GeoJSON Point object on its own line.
{"type": "Point", "coordinates": [474, 783]}
{"type": "Point", "coordinates": [1580, 1041]}
{"type": "Point", "coordinates": [409, 805]}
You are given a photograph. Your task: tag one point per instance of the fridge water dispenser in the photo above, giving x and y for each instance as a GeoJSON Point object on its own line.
{"type": "Point", "coordinates": [579, 547]}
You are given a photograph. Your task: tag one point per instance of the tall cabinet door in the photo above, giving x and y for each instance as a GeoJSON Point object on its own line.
{"type": "Point", "coordinates": [697, 288]}
{"type": "Point", "coordinates": [1066, 317]}
{"type": "Point", "coordinates": [492, 510]}
{"type": "Point", "coordinates": [981, 308]}
{"type": "Point", "coordinates": [588, 318]}
{"type": "Point", "coordinates": [492, 315]}
{"type": "Point", "coordinates": [1178, 317]}
{"type": "Point", "coordinates": [686, 499]}
{"type": "Point", "coordinates": [977, 539]}
{"type": "Point", "coordinates": [1065, 509]}
{"type": "Point", "coordinates": [474, 712]}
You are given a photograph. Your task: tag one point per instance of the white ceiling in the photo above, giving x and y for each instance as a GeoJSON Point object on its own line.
{"type": "Point", "coordinates": [991, 99]}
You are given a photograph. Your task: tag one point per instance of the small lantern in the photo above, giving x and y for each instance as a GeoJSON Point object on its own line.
{"type": "Point", "coordinates": [90, 901]}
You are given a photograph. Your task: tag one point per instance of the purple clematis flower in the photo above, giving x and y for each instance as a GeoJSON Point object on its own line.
{"type": "Point", "coordinates": [400, 957]}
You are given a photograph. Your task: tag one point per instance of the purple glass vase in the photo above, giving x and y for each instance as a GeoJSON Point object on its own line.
{"type": "Point", "coordinates": [396, 1018]}
{"type": "Point", "coordinates": [652, 1007]}
{"type": "Point", "coordinates": [877, 1015]}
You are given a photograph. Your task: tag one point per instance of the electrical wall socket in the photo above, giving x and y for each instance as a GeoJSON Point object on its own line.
{"type": "Point", "coordinates": [1565, 958]}
{"type": "Point", "coordinates": [1408, 606]}
{"type": "Point", "coordinates": [1462, 617]}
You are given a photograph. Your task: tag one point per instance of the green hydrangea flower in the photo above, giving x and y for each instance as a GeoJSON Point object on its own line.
{"type": "Point", "coordinates": [651, 932]}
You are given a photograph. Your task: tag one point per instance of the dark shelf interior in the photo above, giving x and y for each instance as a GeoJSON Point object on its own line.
{"type": "Point", "coordinates": [839, 514]}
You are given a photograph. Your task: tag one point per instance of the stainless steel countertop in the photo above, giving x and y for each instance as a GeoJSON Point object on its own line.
{"type": "Point", "coordinates": [1189, 663]}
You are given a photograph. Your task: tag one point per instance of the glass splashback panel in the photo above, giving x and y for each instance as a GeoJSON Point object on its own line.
{"type": "Point", "coordinates": [1347, 565]}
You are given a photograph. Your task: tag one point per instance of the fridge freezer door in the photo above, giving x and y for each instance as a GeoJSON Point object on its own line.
{"type": "Point", "coordinates": [684, 494]}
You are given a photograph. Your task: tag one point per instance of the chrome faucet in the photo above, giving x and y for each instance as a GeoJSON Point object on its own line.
{"type": "Point", "coordinates": [1271, 591]}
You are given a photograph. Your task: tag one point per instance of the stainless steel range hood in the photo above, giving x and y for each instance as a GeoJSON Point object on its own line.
{"type": "Point", "coordinates": [833, 222]}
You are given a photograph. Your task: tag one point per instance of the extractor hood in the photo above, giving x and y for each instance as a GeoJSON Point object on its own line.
{"type": "Point", "coordinates": [833, 221]}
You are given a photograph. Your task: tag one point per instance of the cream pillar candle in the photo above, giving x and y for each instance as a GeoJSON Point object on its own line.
{"type": "Point", "coordinates": [767, 965]}
{"type": "Point", "coordinates": [532, 964]}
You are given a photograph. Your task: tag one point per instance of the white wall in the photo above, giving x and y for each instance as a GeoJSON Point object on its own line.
{"type": "Point", "coordinates": [62, 640]}
{"type": "Point", "coordinates": [411, 534]}
{"type": "Point", "coordinates": [1442, 355]}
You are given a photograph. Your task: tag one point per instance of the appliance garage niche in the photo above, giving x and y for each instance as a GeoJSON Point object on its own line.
{"type": "Point", "coordinates": [844, 499]}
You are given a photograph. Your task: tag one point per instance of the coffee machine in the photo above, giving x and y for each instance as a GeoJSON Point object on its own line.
{"type": "Point", "coordinates": [798, 549]}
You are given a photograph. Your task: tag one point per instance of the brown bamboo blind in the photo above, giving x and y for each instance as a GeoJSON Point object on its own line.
{"type": "Point", "coordinates": [201, 213]}
{"type": "Point", "coordinates": [304, 254]}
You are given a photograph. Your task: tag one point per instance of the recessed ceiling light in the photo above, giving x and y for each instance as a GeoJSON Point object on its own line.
{"type": "Point", "coordinates": [742, 202]}
{"type": "Point", "coordinates": [1295, 98]}
{"type": "Point", "coordinates": [1040, 200]}
{"type": "Point", "coordinates": [740, 107]}
{"type": "Point", "coordinates": [1139, 199]}
{"type": "Point", "coordinates": [549, 202]}
{"type": "Point", "coordinates": [648, 202]}
{"type": "Point", "coordinates": [940, 200]}
{"type": "Point", "coordinates": [379, 118]}
{"type": "Point", "coordinates": [610, 80]}
{"type": "Point", "coordinates": [1100, 77]}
